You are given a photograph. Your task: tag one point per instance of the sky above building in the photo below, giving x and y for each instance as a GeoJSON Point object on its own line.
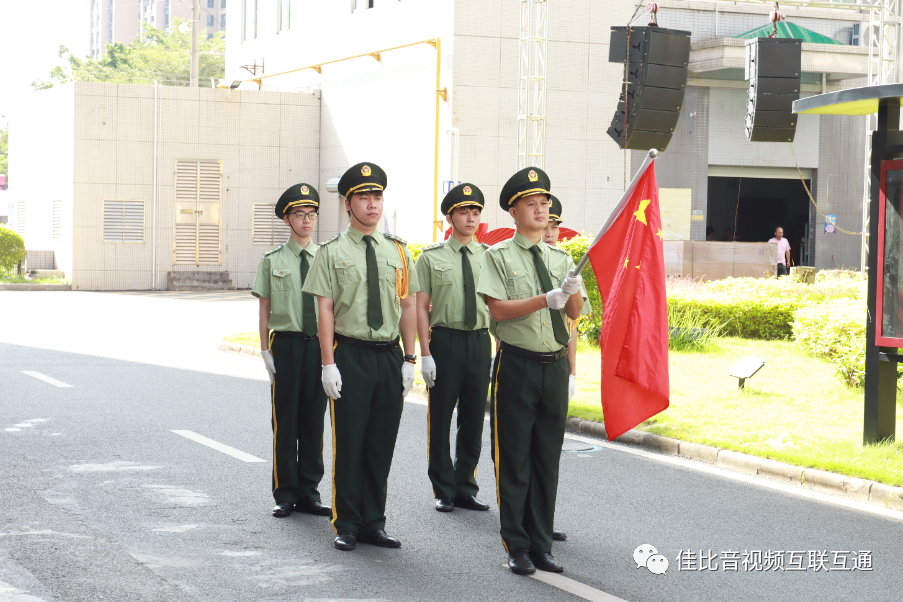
{"type": "Point", "coordinates": [30, 37]}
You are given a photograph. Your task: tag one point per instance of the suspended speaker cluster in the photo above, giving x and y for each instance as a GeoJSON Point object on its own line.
{"type": "Point", "coordinates": [773, 67]}
{"type": "Point", "coordinates": [655, 73]}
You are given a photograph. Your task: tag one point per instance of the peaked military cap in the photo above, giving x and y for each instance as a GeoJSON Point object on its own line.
{"type": "Point", "coordinates": [530, 180]}
{"type": "Point", "coordinates": [295, 196]}
{"type": "Point", "coordinates": [362, 177]}
{"type": "Point", "coordinates": [462, 195]}
{"type": "Point", "coordinates": [555, 209]}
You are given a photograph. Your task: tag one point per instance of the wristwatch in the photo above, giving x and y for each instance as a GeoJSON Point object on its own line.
{"type": "Point", "coordinates": [411, 359]}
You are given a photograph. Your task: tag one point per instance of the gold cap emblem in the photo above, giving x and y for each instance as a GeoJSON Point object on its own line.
{"type": "Point", "coordinates": [365, 170]}
{"type": "Point", "coordinates": [305, 190]}
{"type": "Point", "coordinates": [532, 176]}
{"type": "Point", "coordinates": [467, 190]}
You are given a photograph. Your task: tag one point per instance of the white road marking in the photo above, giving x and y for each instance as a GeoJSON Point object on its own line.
{"type": "Point", "coordinates": [176, 529]}
{"type": "Point", "coordinates": [221, 447]}
{"type": "Point", "coordinates": [239, 554]}
{"type": "Point", "coordinates": [574, 587]}
{"type": "Point", "coordinates": [24, 425]}
{"type": "Point", "coordinates": [183, 497]}
{"type": "Point", "coordinates": [110, 467]}
{"type": "Point", "coordinates": [752, 480]}
{"type": "Point", "coordinates": [45, 378]}
{"type": "Point", "coordinates": [12, 430]}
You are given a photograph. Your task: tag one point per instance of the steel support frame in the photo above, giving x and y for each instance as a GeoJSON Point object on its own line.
{"type": "Point", "coordinates": [531, 111]}
{"type": "Point", "coordinates": [883, 41]}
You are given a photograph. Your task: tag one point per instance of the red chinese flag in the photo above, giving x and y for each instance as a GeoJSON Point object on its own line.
{"type": "Point", "coordinates": [629, 264]}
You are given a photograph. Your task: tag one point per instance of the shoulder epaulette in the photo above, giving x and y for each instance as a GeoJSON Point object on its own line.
{"type": "Point", "coordinates": [436, 245]}
{"type": "Point", "coordinates": [333, 239]}
{"type": "Point", "coordinates": [273, 251]}
{"type": "Point", "coordinates": [499, 245]}
{"type": "Point", "coordinates": [398, 238]}
{"type": "Point", "coordinates": [559, 250]}
{"type": "Point", "coordinates": [485, 245]}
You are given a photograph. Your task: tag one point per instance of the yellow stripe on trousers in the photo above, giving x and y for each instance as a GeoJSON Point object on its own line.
{"type": "Point", "coordinates": [495, 419]}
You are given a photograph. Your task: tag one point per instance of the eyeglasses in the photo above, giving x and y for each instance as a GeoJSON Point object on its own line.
{"type": "Point", "coordinates": [302, 215]}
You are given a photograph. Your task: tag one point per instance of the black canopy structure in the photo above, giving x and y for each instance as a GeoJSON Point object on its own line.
{"type": "Point", "coordinates": [887, 144]}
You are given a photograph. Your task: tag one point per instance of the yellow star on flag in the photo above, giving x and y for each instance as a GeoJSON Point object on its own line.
{"type": "Point", "coordinates": [659, 234]}
{"type": "Point", "coordinates": [638, 265]}
{"type": "Point", "coordinates": [626, 260]}
{"type": "Point", "coordinates": [641, 212]}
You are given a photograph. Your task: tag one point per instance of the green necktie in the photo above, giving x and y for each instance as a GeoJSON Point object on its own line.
{"type": "Point", "coordinates": [560, 330]}
{"type": "Point", "coordinates": [374, 307]}
{"type": "Point", "coordinates": [308, 313]}
{"type": "Point", "coordinates": [470, 293]}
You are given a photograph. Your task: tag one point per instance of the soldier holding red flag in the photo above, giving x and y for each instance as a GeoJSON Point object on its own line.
{"type": "Point", "coordinates": [530, 294]}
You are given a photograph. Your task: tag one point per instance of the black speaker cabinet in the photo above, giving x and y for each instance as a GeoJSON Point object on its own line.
{"type": "Point", "coordinates": [655, 73]}
{"type": "Point", "coordinates": [773, 67]}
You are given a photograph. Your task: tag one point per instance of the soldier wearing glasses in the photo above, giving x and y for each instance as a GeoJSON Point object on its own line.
{"type": "Point", "coordinates": [291, 353]}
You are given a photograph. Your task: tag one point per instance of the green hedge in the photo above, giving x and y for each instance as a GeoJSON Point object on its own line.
{"type": "Point", "coordinates": [12, 249]}
{"type": "Point", "coordinates": [835, 330]}
{"type": "Point", "coordinates": [756, 308]}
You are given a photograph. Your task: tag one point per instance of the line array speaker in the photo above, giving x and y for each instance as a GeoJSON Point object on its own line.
{"type": "Point", "coordinates": [773, 67]}
{"type": "Point", "coordinates": [655, 77]}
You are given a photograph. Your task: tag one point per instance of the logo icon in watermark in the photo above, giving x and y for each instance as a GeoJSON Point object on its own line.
{"type": "Point", "coordinates": [647, 556]}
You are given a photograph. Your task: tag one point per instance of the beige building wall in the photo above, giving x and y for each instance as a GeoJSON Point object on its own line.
{"type": "Point", "coordinates": [85, 143]}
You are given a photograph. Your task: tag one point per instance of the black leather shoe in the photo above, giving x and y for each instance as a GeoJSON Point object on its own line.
{"type": "Point", "coordinates": [546, 562]}
{"type": "Point", "coordinates": [313, 508]}
{"type": "Point", "coordinates": [445, 504]}
{"type": "Point", "coordinates": [379, 538]}
{"type": "Point", "coordinates": [283, 509]}
{"type": "Point", "coordinates": [519, 562]}
{"type": "Point", "coordinates": [471, 503]}
{"type": "Point", "coordinates": [559, 535]}
{"type": "Point", "coordinates": [347, 541]}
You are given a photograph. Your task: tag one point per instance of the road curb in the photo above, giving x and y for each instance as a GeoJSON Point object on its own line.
{"type": "Point", "coordinates": [26, 286]}
{"type": "Point", "coordinates": [860, 490]}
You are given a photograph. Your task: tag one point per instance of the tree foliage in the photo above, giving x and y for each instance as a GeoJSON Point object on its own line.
{"type": "Point", "coordinates": [12, 249]}
{"type": "Point", "coordinates": [4, 149]}
{"type": "Point", "coordinates": [164, 56]}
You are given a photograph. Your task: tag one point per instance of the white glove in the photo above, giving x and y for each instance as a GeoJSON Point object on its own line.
{"type": "Point", "coordinates": [571, 284]}
{"type": "Point", "coordinates": [556, 298]}
{"type": "Point", "coordinates": [269, 364]}
{"type": "Point", "coordinates": [407, 378]}
{"type": "Point", "coordinates": [428, 370]}
{"type": "Point", "coordinates": [572, 387]}
{"type": "Point", "coordinates": [332, 381]}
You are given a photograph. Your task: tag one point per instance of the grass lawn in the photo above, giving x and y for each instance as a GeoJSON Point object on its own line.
{"type": "Point", "coordinates": [22, 280]}
{"type": "Point", "coordinates": [794, 410]}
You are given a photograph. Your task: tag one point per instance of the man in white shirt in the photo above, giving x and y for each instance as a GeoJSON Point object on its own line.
{"type": "Point", "coordinates": [783, 251]}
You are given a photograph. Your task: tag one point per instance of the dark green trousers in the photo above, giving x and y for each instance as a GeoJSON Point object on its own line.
{"type": "Point", "coordinates": [529, 408]}
{"type": "Point", "coordinates": [462, 377]}
{"type": "Point", "coordinates": [299, 404]}
{"type": "Point", "coordinates": [365, 423]}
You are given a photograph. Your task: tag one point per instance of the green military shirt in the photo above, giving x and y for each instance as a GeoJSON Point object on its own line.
{"type": "Point", "coordinates": [340, 273]}
{"type": "Point", "coordinates": [279, 280]}
{"type": "Point", "coordinates": [440, 274]}
{"type": "Point", "coordinates": [508, 274]}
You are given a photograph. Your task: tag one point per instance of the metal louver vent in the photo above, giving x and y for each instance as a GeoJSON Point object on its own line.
{"type": "Point", "coordinates": [267, 228]}
{"type": "Point", "coordinates": [198, 197]}
{"type": "Point", "coordinates": [57, 220]}
{"type": "Point", "coordinates": [123, 221]}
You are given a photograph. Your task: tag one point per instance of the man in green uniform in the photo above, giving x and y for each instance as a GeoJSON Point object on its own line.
{"type": "Point", "coordinates": [365, 283]}
{"type": "Point", "coordinates": [530, 294]}
{"type": "Point", "coordinates": [291, 354]}
{"type": "Point", "coordinates": [455, 349]}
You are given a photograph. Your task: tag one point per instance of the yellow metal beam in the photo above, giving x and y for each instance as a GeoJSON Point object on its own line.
{"type": "Point", "coordinates": [441, 94]}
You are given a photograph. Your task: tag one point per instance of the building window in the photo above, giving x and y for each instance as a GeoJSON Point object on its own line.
{"type": "Point", "coordinates": [222, 22]}
{"type": "Point", "coordinates": [209, 20]}
{"type": "Point", "coordinates": [110, 22]}
{"type": "Point", "coordinates": [57, 220]}
{"type": "Point", "coordinates": [166, 15]}
{"type": "Point", "coordinates": [255, 19]}
{"type": "Point", "coordinates": [278, 16]}
{"type": "Point", "coordinates": [222, 4]}
{"type": "Point", "coordinates": [210, 4]}
{"type": "Point", "coordinates": [123, 221]}
{"type": "Point", "coordinates": [244, 20]}
{"type": "Point", "coordinates": [267, 229]}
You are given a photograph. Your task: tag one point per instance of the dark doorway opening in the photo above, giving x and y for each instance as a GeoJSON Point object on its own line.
{"type": "Point", "coordinates": [758, 206]}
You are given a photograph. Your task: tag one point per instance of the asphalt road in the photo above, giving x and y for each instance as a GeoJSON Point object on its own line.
{"type": "Point", "coordinates": [101, 500]}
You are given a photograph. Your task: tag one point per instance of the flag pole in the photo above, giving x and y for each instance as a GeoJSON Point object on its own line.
{"type": "Point", "coordinates": [650, 157]}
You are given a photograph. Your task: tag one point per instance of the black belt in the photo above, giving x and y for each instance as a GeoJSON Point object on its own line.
{"type": "Point", "coordinates": [294, 335]}
{"type": "Point", "coordinates": [542, 358]}
{"type": "Point", "coordinates": [481, 330]}
{"type": "Point", "coordinates": [375, 345]}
